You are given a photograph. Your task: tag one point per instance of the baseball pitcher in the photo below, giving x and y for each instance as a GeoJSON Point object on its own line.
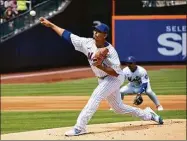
{"type": "Point", "coordinates": [105, 64]}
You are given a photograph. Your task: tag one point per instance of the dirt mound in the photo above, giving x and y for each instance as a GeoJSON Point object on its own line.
{"type": "Point", "coordinates": [138, 130]}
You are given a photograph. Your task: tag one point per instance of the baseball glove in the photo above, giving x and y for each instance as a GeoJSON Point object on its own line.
{"type": "Point", "coordinates": [100, 55]}
{"type": "Point", "coordinates": [138, 99]}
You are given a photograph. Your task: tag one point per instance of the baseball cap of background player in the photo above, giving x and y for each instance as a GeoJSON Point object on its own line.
{"type": "Point", "coordinates": [102, 28]}
{"type": "Point", "coordinates": [131, 59]}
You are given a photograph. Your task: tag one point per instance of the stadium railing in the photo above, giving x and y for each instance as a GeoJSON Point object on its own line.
{"type": "Point", "coordinates": [15, 26]}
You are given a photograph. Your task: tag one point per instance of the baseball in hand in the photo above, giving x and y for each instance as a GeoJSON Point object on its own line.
{"type": "Point", "coordinates": [101, 53]}
{"type": "Point", "coordinates": [33, 13]}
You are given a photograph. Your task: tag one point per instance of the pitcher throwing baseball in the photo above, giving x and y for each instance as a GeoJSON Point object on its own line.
{"type": "Point", "coordinates": [105, 64]}
{"type": "Point", "coordinates": [138, 83]}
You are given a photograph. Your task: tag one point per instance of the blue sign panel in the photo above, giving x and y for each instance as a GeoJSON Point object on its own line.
{"type": "Point", "coordinates": [151, 40]}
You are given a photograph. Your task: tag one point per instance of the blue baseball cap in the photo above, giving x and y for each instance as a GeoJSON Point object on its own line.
{"type": "Point", "coordinates": [131, 59]}
{"type": "Point", "coordinates": [102, 28]}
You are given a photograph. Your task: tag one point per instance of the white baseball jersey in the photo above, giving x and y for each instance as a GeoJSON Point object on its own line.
{"type": "Point", "coordinates": [108, 88]}
{"type": "Point", "coordinates": [88, 47]}
{"type": "Point", "coordinates": [136, 78]}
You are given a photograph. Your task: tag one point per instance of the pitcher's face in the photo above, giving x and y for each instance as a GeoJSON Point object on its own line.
{"type": "Point", "coordinates": [99, 36]}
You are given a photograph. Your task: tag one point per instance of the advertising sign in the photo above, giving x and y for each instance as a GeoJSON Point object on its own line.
{"type": "Point", "coordinates": [150, 38]}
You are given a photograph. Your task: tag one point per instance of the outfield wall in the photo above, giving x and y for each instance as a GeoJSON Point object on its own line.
{"type": "Point", "coordinates": [155, 38]}
{"type": "Point", "coordinates": [40, 48]}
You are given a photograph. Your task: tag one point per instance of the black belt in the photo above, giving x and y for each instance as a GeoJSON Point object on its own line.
{"type": "Point", "coordinates": [103, 77]}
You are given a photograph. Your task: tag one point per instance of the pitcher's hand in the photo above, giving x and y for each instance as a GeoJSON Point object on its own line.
{"type": "Point", "coordinates": [45, 22]}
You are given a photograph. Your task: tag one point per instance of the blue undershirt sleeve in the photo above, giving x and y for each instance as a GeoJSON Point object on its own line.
{"type": "Point", "coordinates": [143, 88]}
{"type": "Point", "coordinates": [66, 35]}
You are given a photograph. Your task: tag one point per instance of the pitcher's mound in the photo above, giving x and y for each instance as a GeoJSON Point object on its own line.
{"type": "Point", "coordinates": [139, 130]}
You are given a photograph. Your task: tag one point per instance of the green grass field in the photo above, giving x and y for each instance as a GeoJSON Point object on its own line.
{"type": "Point", "coordinates": [162, 82]}
{"type": "Point", "coordinates": [25, 121]}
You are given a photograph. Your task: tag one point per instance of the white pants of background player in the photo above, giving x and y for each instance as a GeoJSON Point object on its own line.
{"type": "Point", "coordinates": [109, 89]}
{"type": "Point", "coordinates": [129, 89]}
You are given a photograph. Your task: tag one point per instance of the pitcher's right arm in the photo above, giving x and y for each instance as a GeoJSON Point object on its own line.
{"type": "Point", "coordinates": [75, 40]}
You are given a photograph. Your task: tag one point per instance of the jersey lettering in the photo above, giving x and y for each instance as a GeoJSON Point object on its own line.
{"type": "Point", "coordinates": [90, 54]}
{"type": "Point", "coordinates": [137, 79]}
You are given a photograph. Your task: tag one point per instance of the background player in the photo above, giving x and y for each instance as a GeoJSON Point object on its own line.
{"type": "Point", "coordinates": [138, 82]}
{"type": "Point", "coordinates": [110, 77]}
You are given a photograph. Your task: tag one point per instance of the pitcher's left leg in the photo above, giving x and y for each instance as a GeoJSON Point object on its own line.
{"type": "Point", "coordinates": [119, 107]}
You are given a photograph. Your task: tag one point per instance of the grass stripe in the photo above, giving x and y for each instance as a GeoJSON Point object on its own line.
{"type": "Point", "coordinates": [162, 82]}
{"type": "Point", "coordinates": [26, 121]}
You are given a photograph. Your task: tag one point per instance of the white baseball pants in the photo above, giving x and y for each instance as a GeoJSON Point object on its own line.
{"type": "Point", "coordinates": [108, 89]}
